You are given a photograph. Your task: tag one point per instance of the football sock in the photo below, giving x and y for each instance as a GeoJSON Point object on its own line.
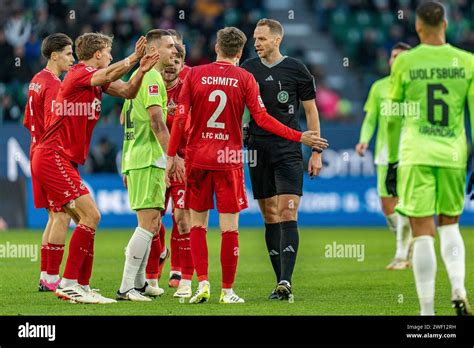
{"type": "Point", "coordinates": [86, 270]}
{"type": "Point", "coordinates": [185, 282]}
{"type": "Point", "coordinates": [403, 237]}
{"type": "Point", "coordinates": [454, 255]}
{"type": "Point", "coordinates": [202, 283]}
{"type": "Point", "coordinates": [78, 250]}
{"type": "Point", "coordinates": [152, 282]}
{"type": "Point", "coordinates": [44, 261]}
{"type": "Point", "coordinates": [174, 246]}
{"type": "Point", "coordinates": [227, 291]}
{"type": "Point", "coordinates": [392, 222]}
{"type": "Point", "coordinates": [134, 254]}
{"type": "Point", "coordinates": [272, 238]}
{"type": "Point", "coordinates": [65, 282]}
{"type": "Point", "coordinates": [424, 269]}
{"type": "Point", "coordinates": [154, 257]}
{"type": "Point", "coordinates": [55, 257]}
{"type": "Point", "coordinates": [140, 278]}
{"type": "Point", "coordinates": [186, 259]}
{"type": "Point", "coordinates": [199, 251]}
{"type": "Point", "coordinates": [162, 235]}
{"type": "Point", "coordinates": [289, 248]}
{"type": "Point", "coordinates": [229, 257]}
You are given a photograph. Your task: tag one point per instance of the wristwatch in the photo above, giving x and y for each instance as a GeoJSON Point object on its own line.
{"type": "Point", "coordinates": [316, 150]}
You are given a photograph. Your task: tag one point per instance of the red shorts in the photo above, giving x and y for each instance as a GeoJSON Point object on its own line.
{"type": "Point", "coordinates": [228, 185]}
{"type": "Point", "coordinates": [55, 180]}
{"type": "Point", "coordinates": [176, 193]}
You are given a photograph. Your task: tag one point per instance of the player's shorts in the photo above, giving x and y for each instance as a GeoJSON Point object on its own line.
{"type": "Point", "coordinates": [427, 191]}
{"type": "Point", "coordinates": [381, 176]}
{"type": "Point", "coordinates": [177, 192]}
{"type": "Point", "coordinates": [55, 180]}
{"type": "Point", "coordinates": [228, 185]}
{"type": "Point", "coordinates": [146, 188]}
{"type": "Point", "coordinates": [278, 169]}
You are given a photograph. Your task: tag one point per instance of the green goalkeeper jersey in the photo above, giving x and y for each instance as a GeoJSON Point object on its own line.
{"type": "Point", "coordinates": [433, 84]}
{"type": "Point", "coordinates": [378, 97]}
{"type": "Point", "coordinates": [141, 148]}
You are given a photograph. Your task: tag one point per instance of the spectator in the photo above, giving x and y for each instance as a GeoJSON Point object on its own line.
{"type": "Point", "coordinates": [102, 158]}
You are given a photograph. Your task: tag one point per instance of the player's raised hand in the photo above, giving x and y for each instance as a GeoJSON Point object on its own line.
{"type": "Point", "coordinates": [361, 148]}
{"type": "Point", "coordinates": [312, 139]}
{"type": "Point", "coordinates": [149, 61]}
{"type": "Point", "coordinates": [169, 171]}
{"type": "Point", "coordinates": [140, 47]}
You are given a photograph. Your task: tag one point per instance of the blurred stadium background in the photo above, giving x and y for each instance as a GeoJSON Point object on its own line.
{"type": "Point", "coordinates": [345, 44]}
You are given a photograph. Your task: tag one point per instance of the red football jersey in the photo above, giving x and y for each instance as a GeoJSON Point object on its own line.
{"type": "Point", "coordinates": [217, 94]}
{"type": "Point", "coordinates": [184, 72]}
{"type": "Point", "coordinates": [42, 90]}
{"type": "Point", "coordinates": [173, 94]}
{"type": "Point", "coordinates": [75, 114]}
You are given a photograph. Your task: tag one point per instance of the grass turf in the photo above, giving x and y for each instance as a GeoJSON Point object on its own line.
{"type": "Point", "coordinates": [321, 285]}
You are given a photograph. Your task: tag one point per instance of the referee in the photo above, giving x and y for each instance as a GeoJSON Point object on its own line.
{"type": "Point", "coordinates": [277, 177]}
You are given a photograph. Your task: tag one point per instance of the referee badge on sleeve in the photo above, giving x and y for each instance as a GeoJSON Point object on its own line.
{"type": "Point", "coordinates": [153, 90]}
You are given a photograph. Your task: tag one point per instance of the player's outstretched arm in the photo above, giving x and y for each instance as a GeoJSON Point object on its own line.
{"type": "Point", "coordinates": [370, 122]}
{"type": "Point", "coordinates": [117, 70]}
{"type": "Point", "coordinates": [129, 90]}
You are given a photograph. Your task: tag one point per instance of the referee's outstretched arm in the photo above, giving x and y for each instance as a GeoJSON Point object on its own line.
{"type": "Point", "coordinates": [312, 119]}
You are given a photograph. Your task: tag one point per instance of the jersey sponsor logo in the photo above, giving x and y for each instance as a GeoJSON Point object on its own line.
{"type": "Point", "coordinates": [241, 201]}
{"type": "Point", "coordinates": [35, 87]}
{"type": "Point", "coordinates": [90, 69]}
{"type": "Point", "coordinates": [269, 78]}
{"type": "Point", "coordinates": [153, 90]}
{"type": "Point", "coordinates": [283, 96]}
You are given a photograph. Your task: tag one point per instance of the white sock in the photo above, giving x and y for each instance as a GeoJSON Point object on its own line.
{"type": "Point", "coordinates": [227, 291]}
{"type": "Point", "coordinates": [392, 222]}
{"type": "Point", "coordinates": [202, 283]}
{"type": "Point", "coordinates": [185, 282]}
{"type": "Point", "coordinates": [424, 269]}
{"type": "Point", "coordinates": [65, 283]}
{"type": "Point", "coordinates": [43, 275]}
{"type": "Point", "coordinates": [52, 278]}
{"type": "Point", "coordinates": [86, 287]}
{"type": "Point", "coordinates": [454, 255]}
{"type": "Point", "coordinates": [140, 277]}
{"type": "Point", "coordinates": [152, 282]}
{"type": "Point", "coordinates": [403, 237]}
{"type": "Point", "coordinates": [134, 254]}
{"type": "Point", "coordinates": [163, 253]}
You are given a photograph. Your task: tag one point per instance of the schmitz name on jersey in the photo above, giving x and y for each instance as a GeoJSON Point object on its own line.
{"type": "Point", "coordinates": [219, 80]}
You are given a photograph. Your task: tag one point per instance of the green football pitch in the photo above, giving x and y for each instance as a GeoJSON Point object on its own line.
{"type": "Point", "coordinates": [327, 280]}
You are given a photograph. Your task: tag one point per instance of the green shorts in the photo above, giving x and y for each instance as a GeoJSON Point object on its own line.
{"type": "Point", "coordinates": [427, 191]}
{"type": "Point", "coordinates": [381, 176]}
{"type": "Point", "coordinates": [146, 188]}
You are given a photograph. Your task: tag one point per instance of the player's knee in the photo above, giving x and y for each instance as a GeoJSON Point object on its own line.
{"type": "Point", "coordinates": [183, 226]}
{"type": "Point", "coordinates": [92, 218]}
{"type": "Point", "coordinates": [271, 216]}
{"type": "Point", "coordinates": [288, 214]}
{"type": "Point", "coordinates": [62, 220]}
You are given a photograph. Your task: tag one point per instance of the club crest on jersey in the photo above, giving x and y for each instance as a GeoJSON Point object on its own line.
{"type": "Point", "coordinates": [153, 90]}
{"type": "Point", "coordinates": [283, 96]}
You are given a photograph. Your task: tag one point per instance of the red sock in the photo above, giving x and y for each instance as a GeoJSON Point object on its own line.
{"type": "Point", "coordinates": [78, 250]}
{"type": "Point", "coordinates": [86, 270]}
{"type": "Point", "coordinates": [55, 257]}
{"type": "Point", "coordinates": [199, 251]}
{"type": "Point", "coordinates": [44, 257]}
{"type": "Point", "coordinates": [186, 259]}
{"type": "Point", "coordinates": [162, 234]}
{"type": "Point", "coordinates": [154, 257]}
{"type": "Point", "coordinates": [229, 257]}
{"type": "Point", "coordinates": [174, 245]}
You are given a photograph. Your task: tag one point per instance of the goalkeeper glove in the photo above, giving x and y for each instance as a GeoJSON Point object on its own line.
{"type": "Point", "coordinates": [391, 179]}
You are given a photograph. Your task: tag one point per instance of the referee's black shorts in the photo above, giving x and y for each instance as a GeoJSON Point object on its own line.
{"type": "Point", "coordinates": [278, 169]}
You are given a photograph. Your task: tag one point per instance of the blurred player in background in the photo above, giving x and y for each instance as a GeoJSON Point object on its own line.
{"type": "Point", "coordinates": [65, 145]}
{"type": "Point", "coordinates": [438, 78]}
{"type": "Point", "coordinates": [377, 102]}
{"type": "Point", "coordinates": [143, 163]}
{"type": "Point", "coordinates": [216, 94]}
{"type": "Point", "coordinates": [277, 177]}
{"type": "Point", "coordinates": [42, 91]}
{"type": "Point", "coordinates": [178, 38]}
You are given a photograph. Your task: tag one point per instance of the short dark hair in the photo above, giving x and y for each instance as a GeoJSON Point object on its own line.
{"type": "Point", "coordinates": [274, 26]}
{"type": "Point", "coordinates": [54, 43]}
{"type": "Point", "coordinates": [400, 45]}
{"type": "Point", "coordinates": [176, 33]}
{"type": "Point", "coordinates": [180, 49]}
{"type": "Point", "coordinates": [432, 13]}
{"type": "Point", "coordinates": [230, 41]}
{"type": "Point", "coordinates": [156, 35]}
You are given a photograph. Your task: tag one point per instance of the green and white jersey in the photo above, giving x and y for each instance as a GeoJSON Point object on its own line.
{"type": "Point", "coordinates": [141, 148]}
{"type": "Point", "coordinates": [434, 83]}
{"type": "Point", "coordinates": [378, 98]}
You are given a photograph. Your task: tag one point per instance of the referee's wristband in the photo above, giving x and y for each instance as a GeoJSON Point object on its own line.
{"type": "Point", "coordinates": [316, 150]}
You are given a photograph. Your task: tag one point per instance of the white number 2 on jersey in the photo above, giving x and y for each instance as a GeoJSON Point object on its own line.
{"type": "Point", "coordinates": [211, 123]}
